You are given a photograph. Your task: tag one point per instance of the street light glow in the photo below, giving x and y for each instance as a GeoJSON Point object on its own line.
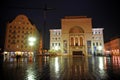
{"type": "Point", "coordinates": [99, 47]}
{"type": "Point", "coordinates": [31, 43]}
{"type": "Point", "coordinates": [56, 48]}
{"type": "Point", "coordinates": [31, 39]}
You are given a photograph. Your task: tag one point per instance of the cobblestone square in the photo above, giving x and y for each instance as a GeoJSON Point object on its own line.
{"type": "Point", "coordinates": [61, 68]}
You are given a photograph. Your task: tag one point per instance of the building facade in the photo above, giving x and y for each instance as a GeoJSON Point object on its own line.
{"type": "Point", "coordinates": [97, 41]}
{"type": "Point", "coordinates": [22, 37]}
{"type": "Point", "coordinates": [76, 37]}
{"type": "Point", "coordinates": [113, 46]}
{"type": "Point", "coordinates": [55, 40]}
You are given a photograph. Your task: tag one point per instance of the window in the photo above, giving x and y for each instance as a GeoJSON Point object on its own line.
{"type": "Point", "coordinates": [89, 43]}
{"type": "Point", "coordinates": [21, 41]}
{"type": "Point", "coordinates": [22, 31]}
{"type": "Point", "coordinates": [18, 31]}
{"type": "Point", "coordinates": [59, 38]}
{"type": "Point", "coordinates": [52, 44]}
{"type": "Point", "coordinates": [8, 46]}
{"type": "Point", "coordinates": [8, 40]}
{"type": "Point", "coordinates": [14, 26]}
{"type": "Point", "coordinates": [18, 41]}
{"type": "Point", "coordinates": [10, 26]}
{"type": "Point", "coordinates": [55, 38]}
{"type": "Point", "coordinates": [93, 44]}
{"type": "Point", "coordinates": [96, 43]}
{"type": "Point", "coordinates": [59, 33]}
{"type": "Point", "coordinates": [18, 27]}
{"type": "Point", "coordinates": [72, 41]}
{"type": "Point", "coordinates": [21, 46]}
{"type": "Point", "coordinates": [9, 35]}
{"type": "Point", "coordinates": [10, 31]}
{"type": "Point", "coordinates": [56, 44]}
{"type": "Point", "coordinates": [59, 44]}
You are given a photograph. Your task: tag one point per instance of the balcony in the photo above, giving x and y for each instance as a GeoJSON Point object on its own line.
{"type": "Point", "coordinates": [77, 47]}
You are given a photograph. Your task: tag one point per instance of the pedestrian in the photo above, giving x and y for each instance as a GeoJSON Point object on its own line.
{"type": "Point", "coordinates": [5, 58]}
{"type": "Point", "coordinates": [17, 58]}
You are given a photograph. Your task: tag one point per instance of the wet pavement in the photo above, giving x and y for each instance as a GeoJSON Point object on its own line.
{"type": "Point", "coordinates": [61, 68]}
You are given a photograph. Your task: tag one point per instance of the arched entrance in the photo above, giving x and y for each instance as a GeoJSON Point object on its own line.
{"type": "Point", "coordinates": [76, 41]}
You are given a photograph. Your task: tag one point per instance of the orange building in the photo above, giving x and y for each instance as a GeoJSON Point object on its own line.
{"type": "Point", "coordinates": [22, 37]}
{"type": "Point", "coordinates": [113, 46]}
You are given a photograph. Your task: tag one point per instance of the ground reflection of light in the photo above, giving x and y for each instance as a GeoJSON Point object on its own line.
{"type": "Point", "coordinates": [56, 65]}
{"type": "Point", "coordinates": [101, 63]}
{"type": "Point", "coordinates": [105, 63]}
{"type": "Point", "coordinates": [30, 74]}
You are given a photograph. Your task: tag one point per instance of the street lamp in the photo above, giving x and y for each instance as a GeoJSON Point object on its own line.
{"type": "Point", "coordinates": [31, 41]}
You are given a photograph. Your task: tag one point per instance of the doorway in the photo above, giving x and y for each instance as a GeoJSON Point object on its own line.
{"type": "Point", "coordinates": [78, 53]}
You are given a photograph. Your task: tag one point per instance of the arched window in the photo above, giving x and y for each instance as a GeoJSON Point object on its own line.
{"type": "Point", "coordinates": [72, 41]}
{"type": "Point", "coordinates": [76, 29]}
{"type": "Point", "coordinates": [76, 41]}
{"type": "Point", "coordinates": [81, 41]}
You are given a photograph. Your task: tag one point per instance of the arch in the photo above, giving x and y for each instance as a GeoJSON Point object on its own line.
{"type": "Point", "coordinates": [76, 41]}
{"type": "Point", "coordinates": [72, 41]}
{"type": "Point", "coordinates": [81, 41]}
{"type": "Point", "coordinates": [76, 29]}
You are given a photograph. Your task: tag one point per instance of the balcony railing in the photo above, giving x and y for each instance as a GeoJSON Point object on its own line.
{"type": "Point", "coordinates": [79, 46]}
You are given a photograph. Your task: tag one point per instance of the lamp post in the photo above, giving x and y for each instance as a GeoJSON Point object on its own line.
{"type": "Point", "coordinates": [31, 41]}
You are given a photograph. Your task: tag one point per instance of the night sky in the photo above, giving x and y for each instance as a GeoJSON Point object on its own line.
{"type": "Point", "coordinates": [104, 14]}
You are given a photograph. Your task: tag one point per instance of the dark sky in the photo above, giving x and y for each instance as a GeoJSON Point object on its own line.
{"type": "Point", "coordinates": [104, 13]}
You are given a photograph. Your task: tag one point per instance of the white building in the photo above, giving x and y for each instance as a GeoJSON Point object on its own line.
{"type": "Point", "coordinates": [77, 37]}
{"type": "Point", "coordinates": [55, 39]}
{"type": "Point", "coordinates": [98, 40]}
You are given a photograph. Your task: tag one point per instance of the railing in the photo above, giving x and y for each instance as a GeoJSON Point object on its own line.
{"type": "Point", "coordinates": [81, 46]}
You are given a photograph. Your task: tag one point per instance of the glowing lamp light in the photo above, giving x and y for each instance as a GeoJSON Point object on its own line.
{"type": "Point", "coordinates": [31, 43]}
{"type": "Point", "coordinates": [56, 47]}
{"type": "Point", "coordinates": [99, 47]}
{"type": "Point", "coordinates": [31, 39]}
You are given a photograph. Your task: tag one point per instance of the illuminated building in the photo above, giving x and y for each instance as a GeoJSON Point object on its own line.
{"type": "Point", "coordinates": [97, 41]}
{"type": "Point", "coordinates": [113, 46]}
{"type": "Point", "coordinates": [17, 34]}
{"type": "Point", "coordinates": [55, 39]}
{"type": "Point", "coordinates": [77, 37]}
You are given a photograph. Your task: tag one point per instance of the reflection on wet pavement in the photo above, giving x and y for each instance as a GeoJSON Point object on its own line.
{"type": "Point", "coordinates": [61, 68]}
